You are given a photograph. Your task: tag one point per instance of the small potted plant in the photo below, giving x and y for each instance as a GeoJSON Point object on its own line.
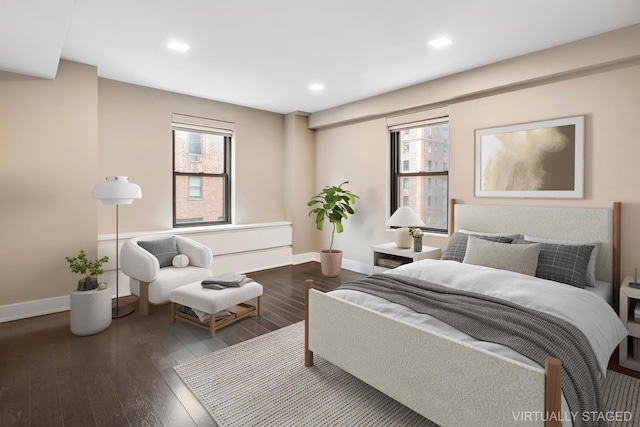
{"type": "Point", "coordinates": [335, 205]}
{"type": "Point", "coordinates": [417, 234]}
{"type": "Point", "coordinates": [91, 269]}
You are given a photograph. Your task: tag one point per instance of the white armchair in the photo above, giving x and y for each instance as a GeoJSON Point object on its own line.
{"type": "Point", "coordinates": [153, 284]}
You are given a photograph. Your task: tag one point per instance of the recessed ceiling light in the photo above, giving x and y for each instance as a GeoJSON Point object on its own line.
{"type": "Point", "coordinates": [180, 47]}
{"type": "Point", "coordinates": [442, 41]}
{"type": "Point", "coordinates": [316, 87]}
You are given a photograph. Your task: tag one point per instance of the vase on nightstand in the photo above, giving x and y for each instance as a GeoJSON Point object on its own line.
{"type": "Point", "coordinates": [417, 244]}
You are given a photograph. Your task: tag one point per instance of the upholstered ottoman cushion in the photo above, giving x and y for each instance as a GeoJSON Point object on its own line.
{"type": "Point", "coordinates": [213, 300]}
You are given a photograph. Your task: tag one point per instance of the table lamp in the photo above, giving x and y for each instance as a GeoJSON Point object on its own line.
{"type": "Point", "coordinates": [404, 217]}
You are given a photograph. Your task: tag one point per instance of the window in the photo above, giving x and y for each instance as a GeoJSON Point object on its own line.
{"type": "Point", "coordinates": [195, 187]}
{"type": "Point", "coordinates": [420, 176]}
{"type": "Point", "coordinates": [195, 147]}
{"type": "Point", "coordinates": [406, 147]}
{"type": "Point", "coordinates": [201, 176]}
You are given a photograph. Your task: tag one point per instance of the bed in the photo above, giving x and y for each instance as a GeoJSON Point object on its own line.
{"type": "Point", "coordinates": [432, 367]}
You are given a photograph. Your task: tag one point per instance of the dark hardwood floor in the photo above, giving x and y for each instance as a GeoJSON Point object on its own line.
{"type": "Point", "coordinates": [124, 375]}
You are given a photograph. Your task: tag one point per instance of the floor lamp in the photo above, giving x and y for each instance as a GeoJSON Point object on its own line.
{"type": "Point", "coordinates": [117, 190]}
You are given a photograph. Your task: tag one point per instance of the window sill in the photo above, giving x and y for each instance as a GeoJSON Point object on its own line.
{"type": "Point", "coordinates": [428, 234]}
{"type": "Point", "coordinates": [431, 234]}
{"type": "Point", "coordinates": [197, 230]}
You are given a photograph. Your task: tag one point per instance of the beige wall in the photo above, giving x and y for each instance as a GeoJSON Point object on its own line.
{"type": "Point", "coordinates": [611, 102]}
{"type": "Point", "coordinates": [59, 137]}
{"type": "Point", "coordinates": [135, 140]}
{"type": "Point", "coordinates": [300, 181]}
{"type": "Point", "coordinates": [358, 154]}
{"type": "Point", "coordinates": [607, 93]}
{"type": "Point", "coordinates": [48, 165]}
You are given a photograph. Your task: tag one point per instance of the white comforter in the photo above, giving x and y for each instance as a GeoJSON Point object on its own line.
{"type": "Point", "coordinates": [584, 309]}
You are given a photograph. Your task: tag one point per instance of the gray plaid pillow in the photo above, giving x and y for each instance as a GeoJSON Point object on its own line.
{"type": "Point", "coordinates": [457, 247]}
{"type": "Point", "coordinates": [164, 249]}
{"type": "Point", "coordinates": [564, 263]}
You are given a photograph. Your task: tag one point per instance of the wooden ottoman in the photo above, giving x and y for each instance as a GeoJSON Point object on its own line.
{"type": "Point", "coordinates": [233, 300]}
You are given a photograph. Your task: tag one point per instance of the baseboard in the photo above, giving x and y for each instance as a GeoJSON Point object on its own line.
{"type": "Point", "coordinates": [357, 266]}
{"type": "Point", "coordinates": [302, 258]}
{"type": "Point", "coordinates": [258, 260]}
{"type": "Point", "coordinates": [347, 264]}
{"type": "Point", "coordinates": [34, 308]}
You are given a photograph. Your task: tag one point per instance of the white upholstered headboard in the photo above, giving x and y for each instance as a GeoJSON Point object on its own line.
{"type": "Point", "coordinates": [586, 224]}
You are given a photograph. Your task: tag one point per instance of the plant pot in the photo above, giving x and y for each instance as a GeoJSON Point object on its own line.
{"type": "Point", "coordinates": [330, 263]}
{"type": "Point", "coordinates": [417, 244]}
{"type": "Point", "coordinates": [88, 283]}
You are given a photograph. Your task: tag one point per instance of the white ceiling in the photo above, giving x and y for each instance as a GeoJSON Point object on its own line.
{"type": "Point", "coordinates": [265, 53]}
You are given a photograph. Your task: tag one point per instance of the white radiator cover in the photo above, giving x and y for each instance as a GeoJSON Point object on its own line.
{"type": "Point", "coordinates": [236, 248]}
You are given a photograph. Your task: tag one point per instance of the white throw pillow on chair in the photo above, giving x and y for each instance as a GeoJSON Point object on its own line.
{"type": "Point", "coordinates": [180, 261]}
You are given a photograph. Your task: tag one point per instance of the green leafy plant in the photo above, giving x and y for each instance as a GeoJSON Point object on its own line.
{"type": "Point", "coordinates": [335, 205]}
{"type": "Point", "coordinates": [415, 232]}
{"type": "Point", "coordinates": [80, 264]}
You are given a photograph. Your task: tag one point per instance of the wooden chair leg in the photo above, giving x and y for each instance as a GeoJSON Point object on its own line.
{"type": "Point", "coordinates": [173, 312]}
{"type": "Point", "coordinates": [260, 305]}
{"type": "Point", "coordinates": [144, 298]}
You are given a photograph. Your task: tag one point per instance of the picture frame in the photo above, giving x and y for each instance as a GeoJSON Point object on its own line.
{"type": "Point", "coordinates": [543, 159]}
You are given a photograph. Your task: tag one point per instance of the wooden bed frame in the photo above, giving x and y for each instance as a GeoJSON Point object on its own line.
{"type": "Point", "coordinates": [422, 369]}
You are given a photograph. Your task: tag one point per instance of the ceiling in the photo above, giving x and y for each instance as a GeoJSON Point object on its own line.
{"type": "Point", "coordinates": [265, 53]}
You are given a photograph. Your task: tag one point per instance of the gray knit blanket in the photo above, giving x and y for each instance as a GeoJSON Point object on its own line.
{"type": "Point", "coordinates": [534, 334]}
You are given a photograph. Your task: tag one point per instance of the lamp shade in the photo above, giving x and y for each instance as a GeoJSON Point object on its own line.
{"type": "Point", "coordinates": [116, 190]}
{"type": "Point", "coordinates": [404, 217]}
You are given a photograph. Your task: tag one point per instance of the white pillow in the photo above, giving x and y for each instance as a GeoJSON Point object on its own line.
{"type": "Point", "coordinates": [180, 261]}
{"type": "Point", "coordinates": [514, 236]}
{"type": "Point", "coordinates": [590, 278]}
{"type": "Point", "coordinates": [503, 256]}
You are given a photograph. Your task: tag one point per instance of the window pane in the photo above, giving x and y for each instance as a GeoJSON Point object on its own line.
{"type": "Point", "coordinates": [428, 148]}
{"type": "Point", "coordinates": [427, 196]}
{"type": "Point", "coordinates": [208, 207]}
{"type": "Point", "coordinates": [199, 152]}
{"type": "Point", "coordinates": [195, 143]}
{"type": "Point", "coordinates": [195, 187]}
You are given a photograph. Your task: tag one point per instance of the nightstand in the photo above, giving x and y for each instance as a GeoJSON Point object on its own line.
{"type": "Point", "coordinates": [629, 297]}
{"type": "Point", "coordinates": [387, 256]}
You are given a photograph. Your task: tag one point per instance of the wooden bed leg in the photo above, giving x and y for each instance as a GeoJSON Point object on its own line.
{"type": "Point", "coordinates": [553, 391]}
{"type": "Point", "coordinates": [452, 207]}
{"type": "Point", "coordinates": [617, 229]}
{"type": "Point", "coordinates": [308, 355]}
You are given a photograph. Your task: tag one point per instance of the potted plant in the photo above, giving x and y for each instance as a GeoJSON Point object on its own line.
{"type": "Point", "coordinates": [91, 269]}
{"type": "Point", "coordinates": [417, 234]}
{"type": "Point", "coordinates": [335, 205]}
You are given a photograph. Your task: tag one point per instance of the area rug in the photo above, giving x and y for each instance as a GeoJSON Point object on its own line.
{"type": "Point", "coordinates": [263, 382]}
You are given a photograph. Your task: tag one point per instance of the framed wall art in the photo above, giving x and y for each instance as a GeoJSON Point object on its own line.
{"type": "Point", "coordinates": [540, 159]}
